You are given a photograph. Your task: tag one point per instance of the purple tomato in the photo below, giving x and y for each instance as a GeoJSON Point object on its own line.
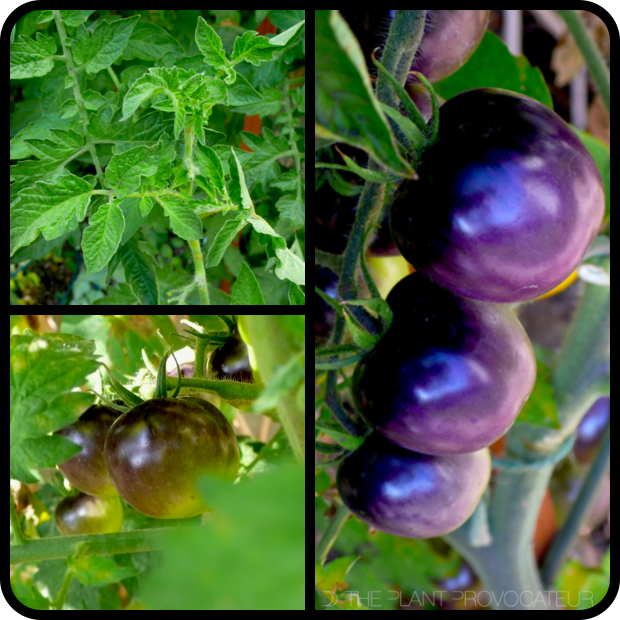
{"type": "Point", "coordinates": [450, 38]}
{"type": "Point", "coordinates": [410, 494]}
{"type": "Point", "coordinates": [508, 201]}
{"type": "Point", "coordinates": [591, 430]}
{"type": "Point", "coordinates": [451, 374]}
{"type": "Point", "coordinates": [231, 361]}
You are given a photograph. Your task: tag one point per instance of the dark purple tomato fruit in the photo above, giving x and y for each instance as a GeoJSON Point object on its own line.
{"type": "Point", "coordinates": [156, 451]}
{"type": "Point", "coordinates": [324, 314]}
{"type": "Point", "coordinates": [591, 430]}
{"type": "Point", "coordinates": [508, 201]}
{"type": "Point", "coordinates": [409, 494]}
{"type": "Point", "coordinates": [450, 38]}
{"type": "Point", "coordinates": [83, 514]}
{"type": "Point", "coordinates": [231, 361]}
{"type": "Point", "coordinates": [87, 471]}
{"type": "Point", "coordinates": [451, 374]}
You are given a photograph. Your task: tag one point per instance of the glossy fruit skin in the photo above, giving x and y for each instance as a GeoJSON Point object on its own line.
{"type": "Point", "coordinates": [194, 399]}
{"type": "Point", "coordinates": [83, 514]}
{"type": "Point", "coordinates": [156, 451]}
{"type": "Point", "coordinates": [451, 374]}
{"type": "Point", "coordinates": [231, 361]}
{"type": "Point", "coordinates": [508, 202]}
{"type": "Point", "coordinates": [87, 471]}
{"type": "Point", "coordinates": [450, 38]}
{"type": "Point", "coordinates": [410, 494]}
{"type": "Point", "coordinates": [592, 429]}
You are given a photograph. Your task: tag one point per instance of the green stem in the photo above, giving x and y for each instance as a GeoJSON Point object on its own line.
{"type": "Point", "coordinates": [590, 52]}
{"type": "Point", "coordinates": [406, 32]}
{"type": "Point", "coordinates": [273, 345]}
{"type": "Point", "coordinates": [331, 534]}
{"type": "Point", "coordinates": [581, 375]}
{"type": "Point", "coordinates": [59, 603]}
{"type": "Point", "coordinates": [62, 547]}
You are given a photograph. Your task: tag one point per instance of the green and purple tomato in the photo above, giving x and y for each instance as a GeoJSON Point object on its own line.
{"type": "Point", "coordinates": [87, 471]}
{"type": "Point", "coordinates": [156, 452]}
{"type": "Point", "coordinates": [83, 514]}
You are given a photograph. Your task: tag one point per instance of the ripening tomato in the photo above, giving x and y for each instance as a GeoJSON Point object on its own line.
{"type": "Point", "coordinates": [87, 471]}
{"type": "Point", "coordinates": [156, 451]}
{"type": "Point", "coordinates": [84, 514]}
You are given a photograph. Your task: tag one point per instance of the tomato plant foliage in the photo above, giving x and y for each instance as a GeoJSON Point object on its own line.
{"type": "Point", "coordinates": [136, 152]}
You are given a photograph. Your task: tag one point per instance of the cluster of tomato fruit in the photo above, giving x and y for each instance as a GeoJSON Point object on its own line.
{"type": "Point", "coordinates": [507, 202]}
{"type": "Point", "coordinates": [152, 455]}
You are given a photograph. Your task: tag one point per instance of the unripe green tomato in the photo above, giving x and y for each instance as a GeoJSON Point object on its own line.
{"type": "Point", "coordinates": [86, 471]}
{"type": "Point", "coordinates": [156, 451]}
{"type": "Point", "coordinates": [84, 514]}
